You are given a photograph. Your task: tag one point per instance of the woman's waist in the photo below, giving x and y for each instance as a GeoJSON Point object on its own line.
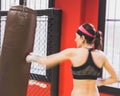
{"type": "Point", "coordinates": [84, 92]}
{"type": "Point", "coordinates": [84, 83]}
{"type": "Point", "coordinates": [85, 89]}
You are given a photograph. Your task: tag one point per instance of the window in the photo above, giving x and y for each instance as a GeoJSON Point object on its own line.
{"type": "Point", "coordinates": [112, 36]}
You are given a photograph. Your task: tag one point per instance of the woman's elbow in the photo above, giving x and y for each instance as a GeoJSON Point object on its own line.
{"type": "Point", "coordinates": [116, 79]}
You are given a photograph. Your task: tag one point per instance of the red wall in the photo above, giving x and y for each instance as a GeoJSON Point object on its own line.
{"type": "Point", "coordinates": [74, 13]}
{"type": "Point", "coordinates": [91, 11]}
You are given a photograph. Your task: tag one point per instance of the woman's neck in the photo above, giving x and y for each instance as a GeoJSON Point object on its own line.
{"type": "Point", "coordinates": [87, 46]}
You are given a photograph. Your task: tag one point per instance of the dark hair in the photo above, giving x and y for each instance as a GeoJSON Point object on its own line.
{"type": "Point", "coordinates": [96, 39]}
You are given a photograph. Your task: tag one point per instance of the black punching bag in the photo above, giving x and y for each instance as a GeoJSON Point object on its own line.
{"type": "Point", "coordinates": [17, 43]}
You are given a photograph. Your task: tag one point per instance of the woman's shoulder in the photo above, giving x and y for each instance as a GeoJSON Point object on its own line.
{"type": "Point", "coordinates": [70, 51]}
{"type": "Point", "coordinates": [101, 53]}
{"type": "Point", "coordinates": [74, 50]}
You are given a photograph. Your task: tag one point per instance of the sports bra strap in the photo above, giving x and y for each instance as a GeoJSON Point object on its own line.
{"type": "Point", "coordinates": [90, 55]}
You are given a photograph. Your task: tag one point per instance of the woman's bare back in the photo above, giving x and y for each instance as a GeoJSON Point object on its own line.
{"type": "Point", "coordinates": [84, 88]}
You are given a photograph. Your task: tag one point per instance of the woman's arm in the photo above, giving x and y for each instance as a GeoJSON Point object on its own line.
{"type": "Point", "coordinates": [113, 76]}
{"type": "Point", "coordinates": [51, 60]}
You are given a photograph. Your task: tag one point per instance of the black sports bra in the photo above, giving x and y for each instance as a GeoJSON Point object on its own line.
{"type": "Point", "coordinates": [88, 70]}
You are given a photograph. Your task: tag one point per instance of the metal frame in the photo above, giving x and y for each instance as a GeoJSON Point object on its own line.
{"type": "Point", "coordinates": [51, 3]}
{"type": "Point", "coordinates": [101, 18]}
{"type": "Point", "coordinates": [101, 26]}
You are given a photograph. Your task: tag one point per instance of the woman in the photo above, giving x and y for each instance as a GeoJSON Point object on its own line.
{"type": "Point", "coordinates": [87, 61]}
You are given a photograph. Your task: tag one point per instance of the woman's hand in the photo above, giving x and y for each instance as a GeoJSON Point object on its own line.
{"type": "Point", "coordinates": [32, 57]}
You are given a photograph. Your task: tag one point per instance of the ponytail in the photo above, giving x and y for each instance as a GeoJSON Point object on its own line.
{"type": "Point", "coordinates": [98, 40]}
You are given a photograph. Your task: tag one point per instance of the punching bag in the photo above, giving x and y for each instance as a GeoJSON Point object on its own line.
{"type": "Point", "coordinates": [17, 43]}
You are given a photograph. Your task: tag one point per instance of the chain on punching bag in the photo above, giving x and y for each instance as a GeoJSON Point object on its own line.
{"type": "Point", "coordinates": [17, 43]}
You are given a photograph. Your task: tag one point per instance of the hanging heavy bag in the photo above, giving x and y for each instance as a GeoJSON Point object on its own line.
{"type": "Point", "coordinates": [17, 43]}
